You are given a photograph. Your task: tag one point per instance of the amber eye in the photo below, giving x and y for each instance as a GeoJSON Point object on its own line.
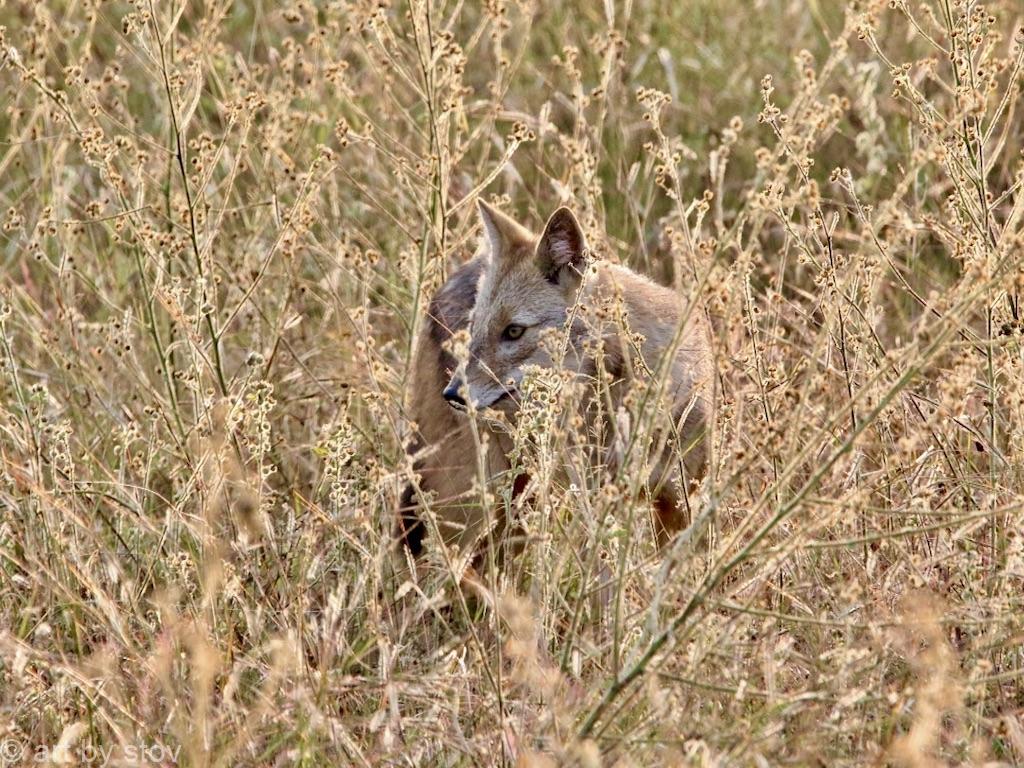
{"type": "Point", "coordinates": [512, 332]}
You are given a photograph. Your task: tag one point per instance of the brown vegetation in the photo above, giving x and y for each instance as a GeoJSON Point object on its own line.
{"type": "Point", "coordinates": [219, 226]}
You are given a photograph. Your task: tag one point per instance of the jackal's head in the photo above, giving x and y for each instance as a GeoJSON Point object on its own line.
{"type": "Point", "coordinates": [527, 286]}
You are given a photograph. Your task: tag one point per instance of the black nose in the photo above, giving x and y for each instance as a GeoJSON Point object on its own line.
{"type": "Point", "coordinates": [451, 394]}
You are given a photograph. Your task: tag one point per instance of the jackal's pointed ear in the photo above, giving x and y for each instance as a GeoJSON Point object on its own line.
{"type": "Point", "coordinates": [562, 249]}
{"type": "Point", "coordinates": [503, 234]}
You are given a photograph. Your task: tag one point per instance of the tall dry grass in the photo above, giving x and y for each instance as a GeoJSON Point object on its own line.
{"type": "Point", "coordinates": [221, 223]}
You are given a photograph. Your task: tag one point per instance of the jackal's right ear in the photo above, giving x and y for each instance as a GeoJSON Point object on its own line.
{"type": "Point", "coordinates": [503, 234]}
{"type": "Point", "coordinates": [562, 249]}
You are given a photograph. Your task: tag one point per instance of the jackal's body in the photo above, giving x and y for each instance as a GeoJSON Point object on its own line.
{"type": "Point", "coordinates": [506, 297]}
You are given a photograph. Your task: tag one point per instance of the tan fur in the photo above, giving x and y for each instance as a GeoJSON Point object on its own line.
{"type": "Point", "coordinates": [443, 441]}
{"type": "Point", "coordinates": [533, 282]}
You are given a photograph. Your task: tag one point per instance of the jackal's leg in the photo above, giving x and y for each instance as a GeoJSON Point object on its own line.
{"type": "Point", "coordinates": [679, 467]}
{"type": "Point", "coordinates": [670, 485]}
{"type": "Point", "coordinates": [410, 528]}
{"type": "Point", "coordinates": [670, 514]}
{"type": "Point", "coordinates": [449, 476]}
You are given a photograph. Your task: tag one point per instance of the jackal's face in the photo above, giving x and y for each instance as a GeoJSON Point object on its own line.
{"type": "Point", "coordinates": [528, 286]}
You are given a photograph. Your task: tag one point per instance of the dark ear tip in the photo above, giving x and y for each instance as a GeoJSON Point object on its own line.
{"type": "Point", "coordinates": [563, 214]}
{"type": "Point", "coordinates": [564, 222]}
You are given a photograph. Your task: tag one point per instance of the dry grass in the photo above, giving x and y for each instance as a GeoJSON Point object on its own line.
{"type": "Point", "coordinates": [220, 223]}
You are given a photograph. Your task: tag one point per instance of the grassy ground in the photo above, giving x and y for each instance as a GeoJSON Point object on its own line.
{"type": "Point", "coordinates": [219, 224]}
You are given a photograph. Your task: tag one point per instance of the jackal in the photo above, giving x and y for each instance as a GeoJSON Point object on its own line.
{"type": "Point", "coordinates": [506, 297]}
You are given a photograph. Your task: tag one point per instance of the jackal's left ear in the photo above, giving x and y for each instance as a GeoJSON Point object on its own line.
{"type": "Point", "coordinates": [504, 235]}
{"type": "Point", "coordinates": [562, 248]}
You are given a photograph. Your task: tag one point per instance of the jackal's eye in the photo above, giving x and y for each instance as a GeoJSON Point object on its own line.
{"type": "Point", "coordinates": [512, 332]}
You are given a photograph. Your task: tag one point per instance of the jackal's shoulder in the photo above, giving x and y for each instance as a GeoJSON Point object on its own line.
{"type": "Point", "coordinates": [656, 312]}
{"type": "Point", "coordinates": [639, 291]}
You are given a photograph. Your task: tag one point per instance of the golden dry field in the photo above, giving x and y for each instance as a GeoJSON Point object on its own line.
{"type": "Point", "coordinates": [220, 226]}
